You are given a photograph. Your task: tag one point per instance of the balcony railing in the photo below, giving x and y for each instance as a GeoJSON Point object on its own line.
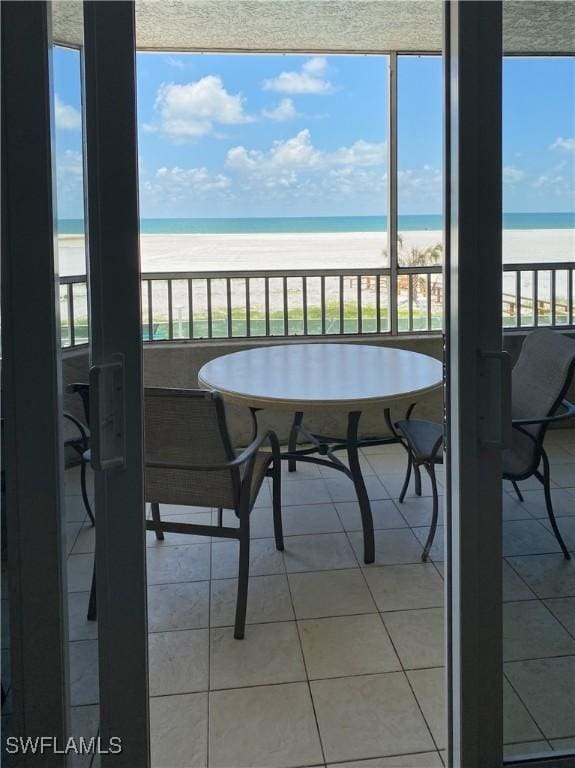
{"type": "Point", "coordinates": [193, 306]}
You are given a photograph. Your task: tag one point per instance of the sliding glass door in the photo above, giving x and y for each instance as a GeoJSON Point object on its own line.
{"type": "Point", "coordinates": [73, 474]}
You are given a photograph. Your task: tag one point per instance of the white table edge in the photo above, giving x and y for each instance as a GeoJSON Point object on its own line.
{"type": "Point", "coordinates": [253, 401]}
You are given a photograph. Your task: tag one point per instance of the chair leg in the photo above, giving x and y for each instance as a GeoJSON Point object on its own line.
{"type": "Point", "coordinates": [435, 512]}
{"type": "Point", "coordinates": [292, 440]}
{"type": "Point", "coordinates": [550, 513]}
{"type": "Point", "coordinates": [407, 477]}
{"type": "Point", "coordinates": [517, 491]}
{"type": "Point", "coordinates": [417, 474]}
{"type": "Point", "coordinates": [157, 519]}
{"type": "Point", "coordinates": [277, 504]}
{"type": "Point", "coordinates": [243, 578]}
{"type": "Point", "coordinates": [85, 491]}
{"type": "Point", "coordinates": [92, 609]}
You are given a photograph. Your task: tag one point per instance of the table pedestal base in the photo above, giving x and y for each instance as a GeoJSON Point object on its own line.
{"type": "Point", "coordinates": [326, 447]}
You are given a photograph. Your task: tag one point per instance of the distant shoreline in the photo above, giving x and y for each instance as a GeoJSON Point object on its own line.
{"type": "Point", "coordinates": [319, 224]}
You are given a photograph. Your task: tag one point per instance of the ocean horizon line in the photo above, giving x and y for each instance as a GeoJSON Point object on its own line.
{"type": "Point", "coordinates": [318, 224]}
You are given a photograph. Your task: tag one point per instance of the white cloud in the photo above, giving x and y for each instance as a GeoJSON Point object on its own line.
{"type": "Point", "coordinates": [190, 110]}
{"type": "Point", "coordinates": [360, 153]}
{"type": "Point", "coordinates": [67, 117]}
{"type": "Point", "coordinates": [175, 63]}
{"type": "Point", "coordinates": [198, 178]}
{"type": "Point", "coordinates": [69, 184]}
{"type": "Point", "coordinates": [553, 183]}
{"type": "Point", "coordinates": [70, 164]}
{"type": "Point", "coordinates": [512, 175]}
{"type": "Point", "coordinates": [294, 169]}
{"type": "Point", "coordinates": [564, 145]}
{"type": "Point", "coordinates": [175, 182]}
{"type": "Point", "coordinates": [309, 79]}
{"type": "Point", "coordinates": [299, 154]}
{"type": "Point", "coordinates": [284, 111]}
{"type": "Point", "coordinates": [420, 189]}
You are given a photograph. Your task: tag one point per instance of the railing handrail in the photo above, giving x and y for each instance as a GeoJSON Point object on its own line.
{"type": "Point", "coordinates": [234, 274]}
{"type": "Point", "coordinates": [195, 305]}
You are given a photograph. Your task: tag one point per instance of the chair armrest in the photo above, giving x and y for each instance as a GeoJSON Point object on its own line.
{"type": "Point", "coordinates": [568, 413]}
{"type": "Point", "coordinates": [79, 426]}
{"type": "Point", "coordinates": [244, 456]}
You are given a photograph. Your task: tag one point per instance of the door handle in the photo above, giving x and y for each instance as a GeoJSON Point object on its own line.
{"type": "Point", "coordinates": [496, 426]}
{"type": "Point", "coordinates": [107, 439]}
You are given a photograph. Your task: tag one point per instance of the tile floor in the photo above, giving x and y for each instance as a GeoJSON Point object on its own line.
{"type": "Point", "coordinates": [342, 663]}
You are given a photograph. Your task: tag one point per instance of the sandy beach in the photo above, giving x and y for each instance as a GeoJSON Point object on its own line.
{"type": "Point", "coordinates": [348, 250]}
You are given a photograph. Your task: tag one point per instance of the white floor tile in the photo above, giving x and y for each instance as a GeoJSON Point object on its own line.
{"type": "Point", "coordinates": [527, 537]}
{"type": "Point", "coordinates": [79, 628]}
{"type": "Point", "coordinates": [170, 565]}
{"type": "Point", "coordinates": [341, 488]}
{"type": "Point", "coordinates": [268, 600]}
{"type": "Point", "coordinates": [547, 575]}
{"type": "Point", "coordinates": [305, 492]}
{"type": "Point", "coordinates": [268, 727]}
{"type": "Point", "coordinates": [265, 559]}
{"type": "Point", "coordinates": [429, 687]}
{"type": "Point", "coordinates": [84, 683]}
{"type": "Point", "coordinates": [318, 552]}
{"type": "Point", "coordinates": [178, 661]}
{"type": "Point", "coordinates": [564, 610]}
{"type": "Point", "coordinates": [546, 688]}
{"type": "Point", "coordinates": [518, 724]}
{"type": "Point", "coordinates": [417, 636]}
{"type": "Point", "coordinates": [417, 510]}
{"type": "Point", "coordinates": [392, 547]}
{"type": "Point", "coordinates": [530, 631]}
{"type": "Point", "coordinates": [419, 760]}
{"type": "Point", "coordinates": [309, 519]}
{"type": "Point", "coordinates": [179, 731]}
{"type": "Point", "coordinates": [345, 646]}
{"type": "Point", "coordinates": [178, 606]}
{"type": "Point", "coordinates": [270, 653]}
{"type": "Point", "coordinates": [384, 513]}
{"type": "Point", "coordinates": [330, 593]}
{"type": "Point", "coordinates": [400, 587]}
{"type": "Point", "coordinates": [368, 716]}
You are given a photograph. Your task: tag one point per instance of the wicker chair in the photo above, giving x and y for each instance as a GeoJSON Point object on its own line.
{"type": "Point", "coordinates": [541, 378]}
{"type": "Point", "coordinates": [189, 460]}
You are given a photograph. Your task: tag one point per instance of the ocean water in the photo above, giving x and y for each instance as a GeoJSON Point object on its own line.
{"type": "Point", "coordinates": [309, 224]}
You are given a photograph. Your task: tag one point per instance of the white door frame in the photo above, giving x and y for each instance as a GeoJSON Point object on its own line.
{"type": "Point", "coordinates": [114, 278]}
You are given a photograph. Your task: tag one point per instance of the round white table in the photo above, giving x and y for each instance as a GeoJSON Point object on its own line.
{"type": "Point", "coordinates": [323, 376]}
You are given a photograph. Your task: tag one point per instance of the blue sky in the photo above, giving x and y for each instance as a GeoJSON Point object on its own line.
{"type": "Point", "coordinates": [271, 135]}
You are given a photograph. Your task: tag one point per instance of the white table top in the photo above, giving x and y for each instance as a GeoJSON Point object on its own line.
{"type": "Point", "coordinates": [301, 377]}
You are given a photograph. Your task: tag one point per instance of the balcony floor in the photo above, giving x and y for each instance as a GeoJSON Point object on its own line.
{"type": "Point", "coordinates": [341, 662]}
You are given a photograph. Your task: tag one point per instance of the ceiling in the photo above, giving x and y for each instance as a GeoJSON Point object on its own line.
{"type": "Point", "coordinates": [530, 26]}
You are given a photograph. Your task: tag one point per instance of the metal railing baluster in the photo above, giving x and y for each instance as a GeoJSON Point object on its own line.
{"type": "Point", "coordinates": [209, 300]}
{"type": "Point", "coordinates": [332, 298]}
{"type": "Point", "coordinates": [248, 308]}
{"type": "Point", "coordinates": [304, 303]}
{"type": "Point", "coordinates": [170, 312]}
{"type": "Point", "coordinates": [229, 307]}
{"type": "Point", "coordinates": [190, 308]}
{"type": "Point", "coordinates": [71, 329]}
